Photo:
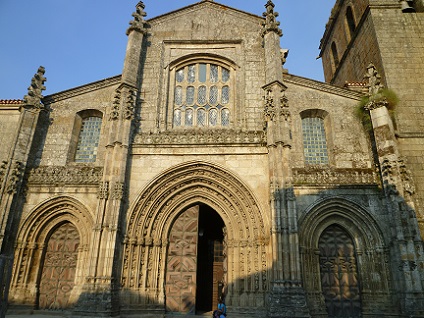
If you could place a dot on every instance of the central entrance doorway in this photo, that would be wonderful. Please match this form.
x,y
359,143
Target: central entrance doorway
x,y
195,261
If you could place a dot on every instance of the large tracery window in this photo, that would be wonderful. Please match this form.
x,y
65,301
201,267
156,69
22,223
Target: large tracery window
x,y
202,96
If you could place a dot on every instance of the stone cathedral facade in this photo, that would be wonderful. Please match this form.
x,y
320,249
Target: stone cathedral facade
x,y
207,170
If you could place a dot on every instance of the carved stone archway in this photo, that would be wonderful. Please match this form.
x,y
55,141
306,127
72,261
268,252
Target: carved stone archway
x,y
370,252
33,236
163,200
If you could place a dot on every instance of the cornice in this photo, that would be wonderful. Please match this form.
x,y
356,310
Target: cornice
x,y
321,86
79,90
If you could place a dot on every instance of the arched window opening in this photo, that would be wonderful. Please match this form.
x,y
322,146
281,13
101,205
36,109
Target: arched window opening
x,y
314,140
335,54
88,126
202,95
350,21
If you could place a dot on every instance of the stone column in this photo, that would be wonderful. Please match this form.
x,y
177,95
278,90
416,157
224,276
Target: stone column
x,y
287,297
406,245
100,292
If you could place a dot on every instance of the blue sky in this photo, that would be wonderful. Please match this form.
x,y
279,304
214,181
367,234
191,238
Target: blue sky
x,y
82,41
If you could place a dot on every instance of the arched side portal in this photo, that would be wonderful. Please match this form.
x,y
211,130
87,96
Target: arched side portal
x,y
161,203
56,221
339,224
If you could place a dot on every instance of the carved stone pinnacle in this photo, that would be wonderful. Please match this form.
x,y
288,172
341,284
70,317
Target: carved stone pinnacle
x,y
34,96
138,23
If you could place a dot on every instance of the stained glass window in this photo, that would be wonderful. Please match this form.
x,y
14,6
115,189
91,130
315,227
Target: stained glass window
x,y
207,85
314,141
88,140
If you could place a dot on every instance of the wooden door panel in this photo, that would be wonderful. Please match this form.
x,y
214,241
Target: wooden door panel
x,y
59,267
182,263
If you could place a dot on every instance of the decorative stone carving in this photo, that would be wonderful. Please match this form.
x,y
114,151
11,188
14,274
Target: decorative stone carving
x,y
114,114
15,177
55,175
118,191
269,110
130,105
271,24
138,23
406,177
201,137
103,190
3,167
34,96
284,107
318,175
374,80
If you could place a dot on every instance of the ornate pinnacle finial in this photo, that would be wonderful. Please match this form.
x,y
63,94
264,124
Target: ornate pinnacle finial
x,y
374,80
34,91
138,23
271,24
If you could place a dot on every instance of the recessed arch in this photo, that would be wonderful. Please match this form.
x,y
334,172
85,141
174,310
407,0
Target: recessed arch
x,y
163,200
197,182
368,242
34,234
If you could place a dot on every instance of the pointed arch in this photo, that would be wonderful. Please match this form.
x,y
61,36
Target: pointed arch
x,y
32,238
50,213
163,200
196,182
369,245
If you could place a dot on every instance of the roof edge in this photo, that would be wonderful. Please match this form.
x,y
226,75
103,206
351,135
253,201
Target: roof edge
x,y
322,86
83,89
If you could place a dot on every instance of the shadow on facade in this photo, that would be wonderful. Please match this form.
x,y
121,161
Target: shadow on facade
x,y
349,250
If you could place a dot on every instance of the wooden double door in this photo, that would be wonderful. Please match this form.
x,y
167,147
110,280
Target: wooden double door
x,y
195,261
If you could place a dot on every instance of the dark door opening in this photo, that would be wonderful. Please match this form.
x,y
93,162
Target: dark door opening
x,y
210,259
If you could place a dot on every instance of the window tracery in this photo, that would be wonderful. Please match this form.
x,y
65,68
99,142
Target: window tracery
x,y
202,95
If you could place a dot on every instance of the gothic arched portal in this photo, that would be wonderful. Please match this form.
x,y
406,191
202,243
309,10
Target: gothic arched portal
x,y
337,274
52,254
152,220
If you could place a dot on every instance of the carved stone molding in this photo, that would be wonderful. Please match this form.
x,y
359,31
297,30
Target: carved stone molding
x,y
201,137
334,176
65,175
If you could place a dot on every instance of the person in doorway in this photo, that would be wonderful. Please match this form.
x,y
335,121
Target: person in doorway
x,y
222,309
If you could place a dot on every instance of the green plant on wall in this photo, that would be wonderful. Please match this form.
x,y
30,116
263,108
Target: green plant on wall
x,y
386,97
